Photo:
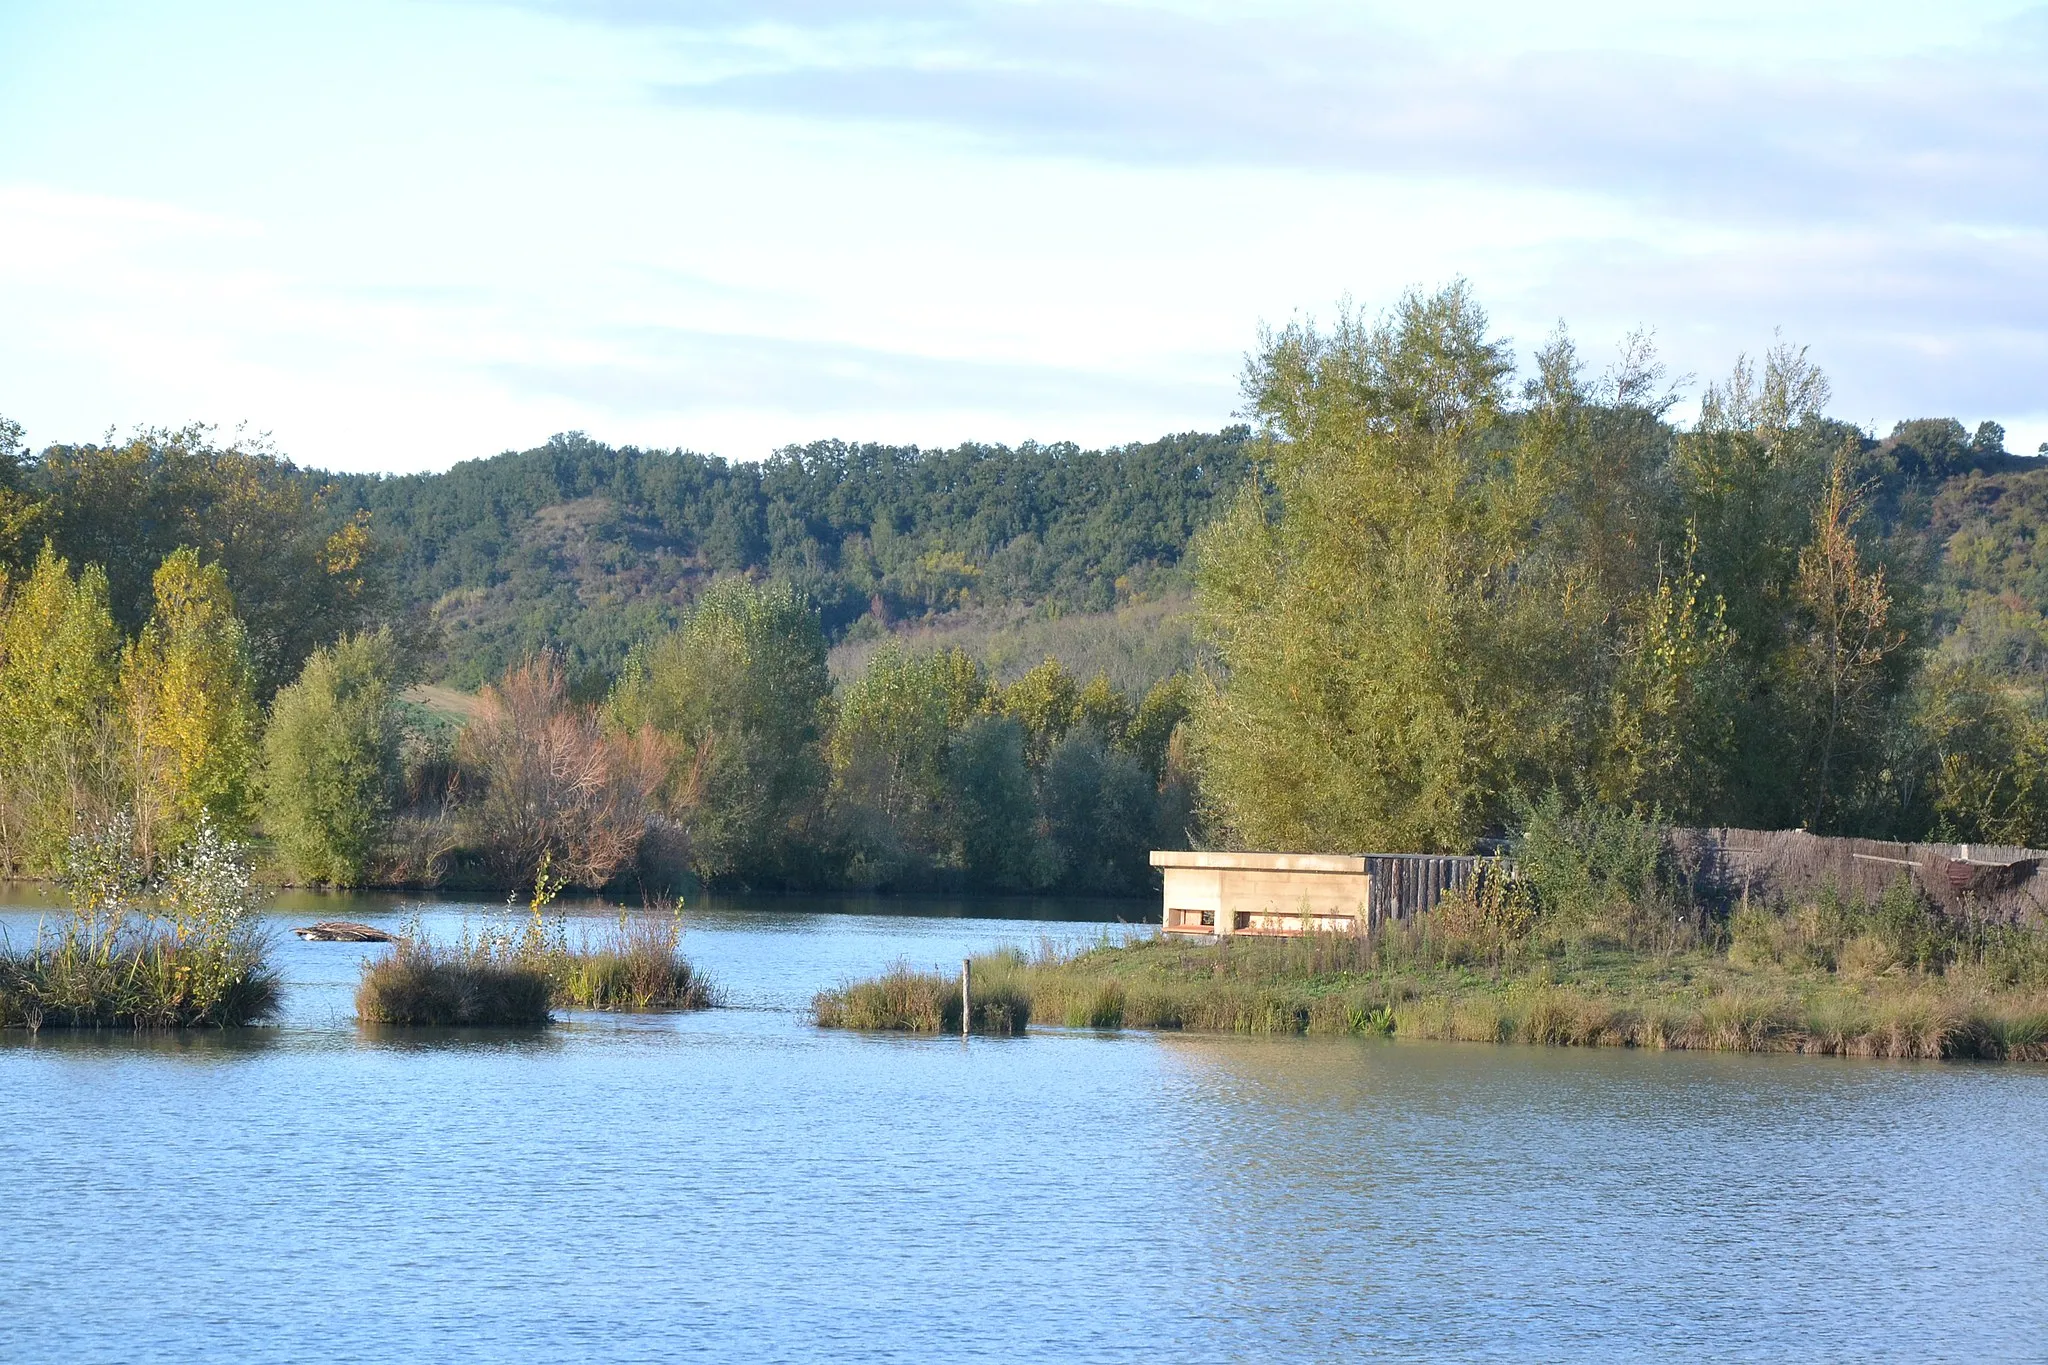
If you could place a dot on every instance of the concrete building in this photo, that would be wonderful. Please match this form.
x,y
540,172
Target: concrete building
x,y
1300,893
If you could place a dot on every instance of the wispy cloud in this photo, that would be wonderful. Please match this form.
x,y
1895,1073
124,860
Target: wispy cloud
x,y
658,371
1939,135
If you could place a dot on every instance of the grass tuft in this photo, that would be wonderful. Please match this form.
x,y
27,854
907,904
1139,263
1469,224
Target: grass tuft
x,y
905,1000
144,979
421,985
636,965
490,978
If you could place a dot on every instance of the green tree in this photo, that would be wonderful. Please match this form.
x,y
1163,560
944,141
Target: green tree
x,y
1669,733
889,748
1101,812
1161,713
331,758
21,513
59,664
1750,478
991,808
1846,663
1396,614
189,712
301,574
1043,701
742,692
1103,709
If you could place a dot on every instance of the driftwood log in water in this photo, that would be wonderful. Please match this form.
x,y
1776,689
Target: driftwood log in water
x,y
343,931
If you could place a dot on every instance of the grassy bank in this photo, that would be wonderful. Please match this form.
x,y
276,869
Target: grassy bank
x,y
517,980
1826,978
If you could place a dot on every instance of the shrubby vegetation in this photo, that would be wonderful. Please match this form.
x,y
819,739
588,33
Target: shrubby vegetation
x,y
1598,941
178,949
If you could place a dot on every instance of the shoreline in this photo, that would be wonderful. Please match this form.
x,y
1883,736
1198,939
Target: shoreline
x,y
1690,1001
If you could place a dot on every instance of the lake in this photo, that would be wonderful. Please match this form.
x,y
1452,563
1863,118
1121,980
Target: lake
x,y
739,1184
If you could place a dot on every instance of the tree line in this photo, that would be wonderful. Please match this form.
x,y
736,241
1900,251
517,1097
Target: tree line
x,y
722,754
1431,596
1447,594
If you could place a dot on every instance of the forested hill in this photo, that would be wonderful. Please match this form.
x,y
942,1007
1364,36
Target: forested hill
x,y
587,547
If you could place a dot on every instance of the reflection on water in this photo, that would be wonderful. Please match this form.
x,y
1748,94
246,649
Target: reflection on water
x,y
736,1183
198,1044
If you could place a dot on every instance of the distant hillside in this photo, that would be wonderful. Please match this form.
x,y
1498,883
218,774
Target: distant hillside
x,y
1010,553
1134,645
589,548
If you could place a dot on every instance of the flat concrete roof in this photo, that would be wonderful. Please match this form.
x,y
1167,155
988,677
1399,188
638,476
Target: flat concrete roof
x,y
1261,862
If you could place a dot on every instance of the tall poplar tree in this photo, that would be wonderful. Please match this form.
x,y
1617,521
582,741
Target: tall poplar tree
x,y
59,661
189,712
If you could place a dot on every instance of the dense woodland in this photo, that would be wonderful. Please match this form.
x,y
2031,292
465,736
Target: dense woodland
x,y
1428,596
586,550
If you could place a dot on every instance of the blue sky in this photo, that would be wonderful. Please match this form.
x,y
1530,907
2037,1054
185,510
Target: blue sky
x,y
396,235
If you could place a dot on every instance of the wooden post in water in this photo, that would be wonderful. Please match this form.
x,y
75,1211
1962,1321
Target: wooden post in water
x,y
966,997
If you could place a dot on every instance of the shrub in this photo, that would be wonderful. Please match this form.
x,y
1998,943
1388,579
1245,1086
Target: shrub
x,y
421,984
1595,871
179,952
1487,915
552,786
1911,929
331,760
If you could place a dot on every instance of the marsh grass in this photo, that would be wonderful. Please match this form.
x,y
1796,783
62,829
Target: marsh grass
x,y
495,977
1829,979
177,950
905,1000
142,979
636,964
422,984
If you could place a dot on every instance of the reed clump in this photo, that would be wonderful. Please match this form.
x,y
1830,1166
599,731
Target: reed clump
x,y
636,964
180,949
422,984
498,978
905,1000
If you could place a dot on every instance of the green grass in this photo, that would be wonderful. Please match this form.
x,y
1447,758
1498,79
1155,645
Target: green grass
x,y
637,964
904,1000
139,979
1706,994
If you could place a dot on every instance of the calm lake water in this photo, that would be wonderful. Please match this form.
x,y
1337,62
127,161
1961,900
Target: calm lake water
x,y
739,1184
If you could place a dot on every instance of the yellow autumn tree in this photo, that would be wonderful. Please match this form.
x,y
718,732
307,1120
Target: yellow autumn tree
x,y
59,653
188,709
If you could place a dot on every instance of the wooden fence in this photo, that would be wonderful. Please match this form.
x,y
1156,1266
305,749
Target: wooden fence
x,y
1405,884
1990,881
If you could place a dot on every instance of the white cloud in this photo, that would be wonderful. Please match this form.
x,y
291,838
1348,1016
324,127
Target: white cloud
x,y
402,235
